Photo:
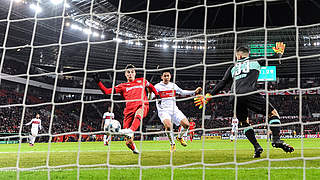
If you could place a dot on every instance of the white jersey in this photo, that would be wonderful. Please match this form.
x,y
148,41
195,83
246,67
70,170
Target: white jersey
x,y
168,94
108,116
36,123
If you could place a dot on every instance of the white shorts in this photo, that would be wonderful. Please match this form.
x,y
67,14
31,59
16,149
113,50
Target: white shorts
x,y
107,122
174,115
34,131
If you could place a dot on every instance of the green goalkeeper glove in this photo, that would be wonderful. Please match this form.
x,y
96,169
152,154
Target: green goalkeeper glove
x,y
201,100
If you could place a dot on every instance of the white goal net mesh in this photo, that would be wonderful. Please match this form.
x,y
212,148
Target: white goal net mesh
x,y
50,50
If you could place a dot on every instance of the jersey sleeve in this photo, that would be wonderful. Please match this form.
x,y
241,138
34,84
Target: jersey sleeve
x,y
255,65
183,92
151,88
227,78
117,89
29,123
40,127
157,89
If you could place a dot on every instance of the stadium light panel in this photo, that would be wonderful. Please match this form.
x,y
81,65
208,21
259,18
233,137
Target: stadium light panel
x,y
56,2
67,5
36,8
117,39
165,46
17,1
102,36
95,34
74,26
87,31
138,44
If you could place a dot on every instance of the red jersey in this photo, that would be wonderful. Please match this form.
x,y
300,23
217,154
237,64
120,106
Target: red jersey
x,y
192,125
133,92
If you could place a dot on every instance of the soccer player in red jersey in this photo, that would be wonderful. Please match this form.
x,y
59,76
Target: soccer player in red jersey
x,y
191,127
137,105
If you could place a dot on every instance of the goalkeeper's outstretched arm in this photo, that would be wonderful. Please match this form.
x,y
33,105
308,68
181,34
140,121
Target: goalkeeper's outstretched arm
x,y
227,78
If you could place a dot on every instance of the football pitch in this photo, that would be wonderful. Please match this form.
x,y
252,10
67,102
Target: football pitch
x,y
155,159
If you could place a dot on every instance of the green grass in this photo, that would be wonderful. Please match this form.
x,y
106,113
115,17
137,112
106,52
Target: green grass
x,y
156,153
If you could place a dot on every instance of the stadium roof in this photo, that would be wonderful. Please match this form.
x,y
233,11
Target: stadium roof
x,y
160,51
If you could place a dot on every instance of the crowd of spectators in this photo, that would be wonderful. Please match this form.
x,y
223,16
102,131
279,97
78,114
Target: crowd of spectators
x,y
67,115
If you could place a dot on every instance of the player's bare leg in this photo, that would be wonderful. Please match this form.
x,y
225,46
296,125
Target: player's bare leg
x,y
169,132
274,118
185,126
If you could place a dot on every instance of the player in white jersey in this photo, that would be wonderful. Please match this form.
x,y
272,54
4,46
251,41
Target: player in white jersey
x,y
168,111
234,129
36,125
107,117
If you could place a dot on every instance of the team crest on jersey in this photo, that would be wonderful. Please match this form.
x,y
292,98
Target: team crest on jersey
x,y
139,81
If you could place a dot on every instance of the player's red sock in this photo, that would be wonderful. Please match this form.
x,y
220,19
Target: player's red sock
x,y
136,123
131,146
191,138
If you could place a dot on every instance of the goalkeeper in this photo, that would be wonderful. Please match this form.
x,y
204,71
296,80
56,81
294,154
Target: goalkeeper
x,y
244,75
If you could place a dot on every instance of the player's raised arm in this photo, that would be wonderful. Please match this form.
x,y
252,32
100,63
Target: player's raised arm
x,y
227,78
28,123
40,126
104,90
188,92
102,123
153,89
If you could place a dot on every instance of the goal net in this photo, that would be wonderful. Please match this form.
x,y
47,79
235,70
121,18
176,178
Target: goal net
x,y
51,49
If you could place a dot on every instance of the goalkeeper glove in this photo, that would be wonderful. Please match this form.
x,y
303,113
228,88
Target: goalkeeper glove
x,y
279,49
201,100
96,77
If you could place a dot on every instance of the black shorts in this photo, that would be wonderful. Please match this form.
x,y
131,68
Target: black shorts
x,y
254,102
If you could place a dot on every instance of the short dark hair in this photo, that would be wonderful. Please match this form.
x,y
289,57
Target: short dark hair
x,y
243,49
165,71
130,66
